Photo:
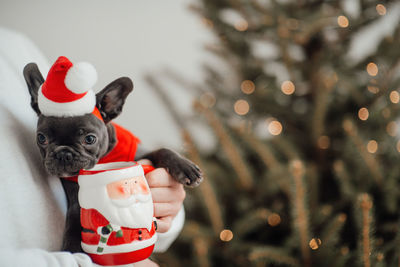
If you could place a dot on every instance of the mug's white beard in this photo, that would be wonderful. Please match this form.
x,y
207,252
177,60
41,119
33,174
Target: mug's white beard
x,y
139,198
134,212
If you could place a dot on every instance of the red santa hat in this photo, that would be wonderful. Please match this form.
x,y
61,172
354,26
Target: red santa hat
x,y
67,90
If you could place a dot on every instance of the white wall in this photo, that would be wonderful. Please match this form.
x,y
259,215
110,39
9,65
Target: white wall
x,y
120,38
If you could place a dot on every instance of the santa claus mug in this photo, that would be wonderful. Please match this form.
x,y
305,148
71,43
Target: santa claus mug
x,y
117,216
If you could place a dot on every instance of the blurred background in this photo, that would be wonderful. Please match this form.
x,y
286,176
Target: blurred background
x,y
122,38
291,109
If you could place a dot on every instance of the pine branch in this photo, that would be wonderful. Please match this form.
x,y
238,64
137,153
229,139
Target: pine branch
x,y
270,254
193,229
260,147
370,161
344,180
330,235
300,210
201,251
251,221
365,205
230,150
285,146
321,94
312,182
266,155
209,197
177,118
206,189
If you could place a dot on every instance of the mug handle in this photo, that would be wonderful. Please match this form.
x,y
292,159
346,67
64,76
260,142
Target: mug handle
x,y
147,168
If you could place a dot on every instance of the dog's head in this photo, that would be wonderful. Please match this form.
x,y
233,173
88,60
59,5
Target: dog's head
x,y
71,143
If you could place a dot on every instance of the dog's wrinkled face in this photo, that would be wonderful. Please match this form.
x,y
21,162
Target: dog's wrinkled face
x,y
70,144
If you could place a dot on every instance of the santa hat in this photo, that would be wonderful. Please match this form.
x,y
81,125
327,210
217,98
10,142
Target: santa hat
x,y
103,174
67,90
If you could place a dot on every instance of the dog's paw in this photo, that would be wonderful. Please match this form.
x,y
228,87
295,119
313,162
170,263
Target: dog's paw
x,y
186,172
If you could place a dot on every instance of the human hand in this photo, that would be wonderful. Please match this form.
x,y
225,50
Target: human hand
x,y
168,196
145,263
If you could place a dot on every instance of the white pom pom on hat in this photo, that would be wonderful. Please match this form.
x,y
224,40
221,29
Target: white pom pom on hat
x,y
67,90
81,77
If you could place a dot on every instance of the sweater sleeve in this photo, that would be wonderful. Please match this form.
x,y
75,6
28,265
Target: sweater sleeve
x,y
43,258
32,204
164,240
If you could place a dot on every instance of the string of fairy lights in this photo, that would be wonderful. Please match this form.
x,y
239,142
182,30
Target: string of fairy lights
x,y
242,107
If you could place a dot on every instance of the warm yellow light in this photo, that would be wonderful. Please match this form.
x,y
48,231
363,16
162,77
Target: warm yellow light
x,y
391,128
315,243
381,9
342,217
241,107
324,142
344,250
241,25
274,219
288,87
363,114
380,256
373,89
208,100
343,22
394,97
275,127
208,23
347,125
226,235
372,69
247,87
372,146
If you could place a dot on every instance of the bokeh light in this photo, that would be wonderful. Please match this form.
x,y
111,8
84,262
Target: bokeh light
x,y
363,114
381,9
274,219
275,127
208,100
324,142
247,87
288,87
343,21
344,250
372,69
394,97
391,128
241,25
241,107
373,89
315,243
372,146
226,235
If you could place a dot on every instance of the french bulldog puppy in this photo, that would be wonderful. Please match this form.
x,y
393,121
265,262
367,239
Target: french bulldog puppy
x,y
69,144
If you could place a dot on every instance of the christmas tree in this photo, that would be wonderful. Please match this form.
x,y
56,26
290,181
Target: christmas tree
x,y
305,110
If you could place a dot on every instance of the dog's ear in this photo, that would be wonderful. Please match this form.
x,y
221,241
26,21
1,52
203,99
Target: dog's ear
x,y
111,99
34,80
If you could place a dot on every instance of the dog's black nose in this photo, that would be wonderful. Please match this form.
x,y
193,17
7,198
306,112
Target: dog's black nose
x,y
64,155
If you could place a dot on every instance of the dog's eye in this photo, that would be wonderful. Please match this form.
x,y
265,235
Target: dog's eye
x,y
90,139
41,139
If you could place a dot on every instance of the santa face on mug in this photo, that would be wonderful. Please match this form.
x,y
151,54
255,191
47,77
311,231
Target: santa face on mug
x,y
126,202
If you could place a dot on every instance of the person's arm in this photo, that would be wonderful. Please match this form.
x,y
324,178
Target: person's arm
x,y
39,257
